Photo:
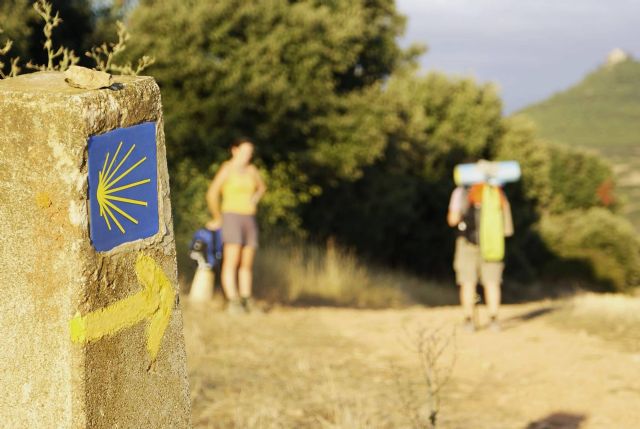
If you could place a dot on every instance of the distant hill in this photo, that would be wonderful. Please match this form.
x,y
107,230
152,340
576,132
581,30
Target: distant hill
x,y
602,113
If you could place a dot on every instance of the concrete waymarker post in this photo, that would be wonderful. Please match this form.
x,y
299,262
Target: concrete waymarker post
x,y
90,328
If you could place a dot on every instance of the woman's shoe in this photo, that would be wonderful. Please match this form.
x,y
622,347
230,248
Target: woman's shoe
x,y
235,307
468,325
494,325
248,304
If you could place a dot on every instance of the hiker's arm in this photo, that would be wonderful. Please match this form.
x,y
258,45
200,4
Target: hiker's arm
x,y
453,218
213,193
507,218
456,204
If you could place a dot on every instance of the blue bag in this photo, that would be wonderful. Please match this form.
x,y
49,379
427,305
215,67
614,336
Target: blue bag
x,y
206,248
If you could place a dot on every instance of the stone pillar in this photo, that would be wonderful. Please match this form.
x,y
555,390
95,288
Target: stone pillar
x,y
90,328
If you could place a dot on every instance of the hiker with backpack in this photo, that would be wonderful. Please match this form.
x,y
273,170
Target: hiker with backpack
x,y
481,214
239,185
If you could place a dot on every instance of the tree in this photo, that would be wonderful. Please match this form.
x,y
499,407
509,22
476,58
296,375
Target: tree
x,y
395,213
16,17
354,142
300,77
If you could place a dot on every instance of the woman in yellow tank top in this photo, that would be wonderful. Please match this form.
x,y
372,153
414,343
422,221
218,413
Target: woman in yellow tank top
x,y
239,184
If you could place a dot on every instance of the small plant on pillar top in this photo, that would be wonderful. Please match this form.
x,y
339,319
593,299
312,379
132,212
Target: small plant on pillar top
x,y
104,54
61,58
13,62
57,59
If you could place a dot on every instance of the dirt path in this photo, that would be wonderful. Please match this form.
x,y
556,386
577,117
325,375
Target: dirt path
x,y
333,368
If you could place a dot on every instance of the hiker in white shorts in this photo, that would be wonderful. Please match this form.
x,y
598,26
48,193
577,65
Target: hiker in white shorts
x,y
470,265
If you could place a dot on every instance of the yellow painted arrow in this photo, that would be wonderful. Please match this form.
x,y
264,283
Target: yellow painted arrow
x,y
154,301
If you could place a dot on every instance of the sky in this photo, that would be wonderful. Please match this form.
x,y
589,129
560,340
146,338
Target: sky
x,y
529,48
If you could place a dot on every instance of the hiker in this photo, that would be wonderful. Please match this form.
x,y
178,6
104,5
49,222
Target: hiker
x,y
481,215
239,184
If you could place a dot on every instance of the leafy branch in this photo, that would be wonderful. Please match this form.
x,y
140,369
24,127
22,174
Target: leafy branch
x,y
15,68
66,57
104,55
61,58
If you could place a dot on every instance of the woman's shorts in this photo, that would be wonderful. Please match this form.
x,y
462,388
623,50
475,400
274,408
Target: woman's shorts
x,y
239,229
470,267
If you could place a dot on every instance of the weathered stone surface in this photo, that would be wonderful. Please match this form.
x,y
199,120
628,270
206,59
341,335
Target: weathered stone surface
x,y
84,78
50,272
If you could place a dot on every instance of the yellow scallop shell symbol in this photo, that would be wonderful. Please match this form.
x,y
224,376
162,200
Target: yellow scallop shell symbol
x,y
106,194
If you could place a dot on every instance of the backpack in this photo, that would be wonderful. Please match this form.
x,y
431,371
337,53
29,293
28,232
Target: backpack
x,y
206,248
467,227
483,224
491,224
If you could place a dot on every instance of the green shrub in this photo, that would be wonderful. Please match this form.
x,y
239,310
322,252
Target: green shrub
x,y
579,180
604,241
189,206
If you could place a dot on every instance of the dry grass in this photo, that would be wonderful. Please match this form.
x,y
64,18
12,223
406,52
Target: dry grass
x,y
347,368
290,369
435,349
614,317
287,368
307,274
337,368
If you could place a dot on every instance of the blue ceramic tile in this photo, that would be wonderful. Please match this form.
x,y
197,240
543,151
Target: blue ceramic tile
x,y
123,186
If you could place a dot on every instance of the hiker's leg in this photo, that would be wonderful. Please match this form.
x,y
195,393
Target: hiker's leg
x,y
230,270
491,273
492,297
245,273
468,299
465,264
